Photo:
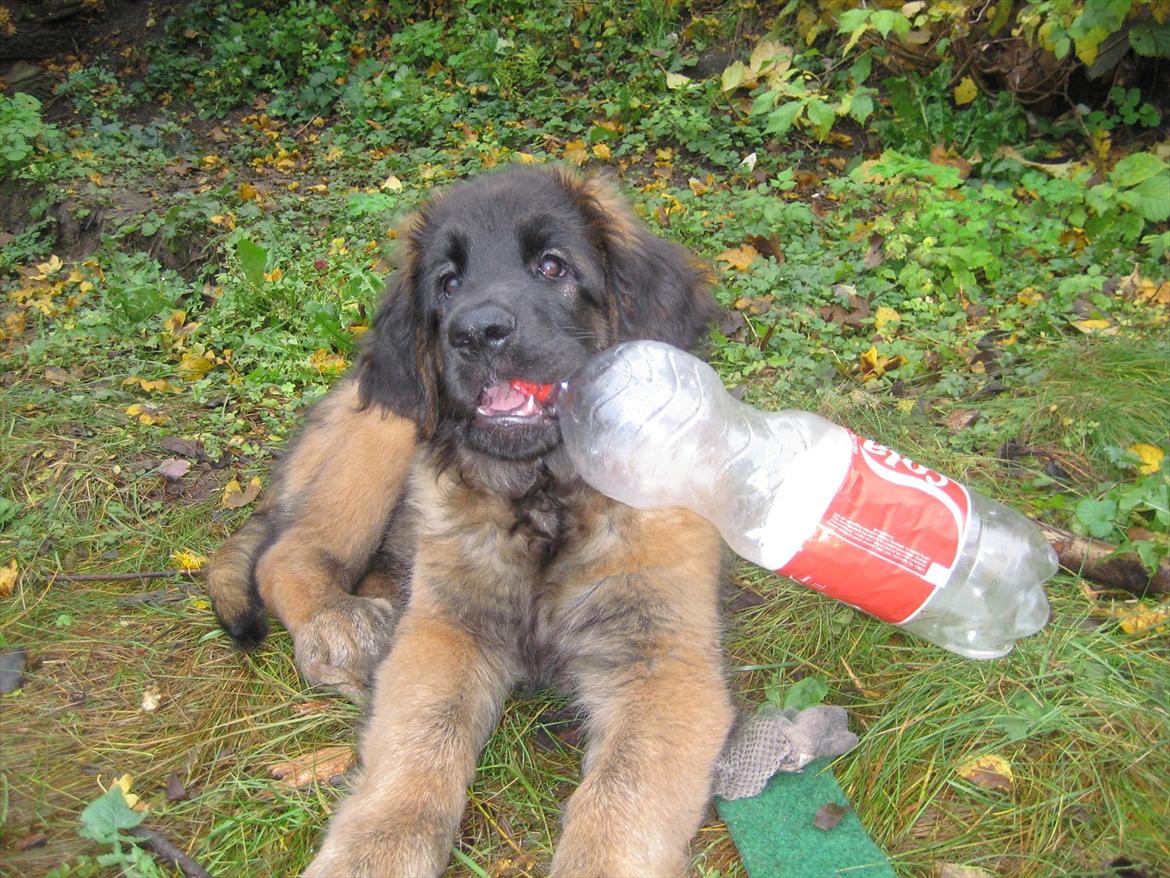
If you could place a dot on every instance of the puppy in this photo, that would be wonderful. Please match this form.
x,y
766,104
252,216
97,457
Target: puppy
x,y
428,536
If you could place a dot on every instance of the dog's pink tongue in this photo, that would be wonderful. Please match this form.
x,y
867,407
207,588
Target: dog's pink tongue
x,y
501,399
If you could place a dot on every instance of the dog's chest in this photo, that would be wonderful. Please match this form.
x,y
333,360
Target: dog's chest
x,y
516,570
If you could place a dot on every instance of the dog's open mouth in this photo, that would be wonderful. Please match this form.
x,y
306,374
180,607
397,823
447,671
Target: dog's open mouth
x,y
517,402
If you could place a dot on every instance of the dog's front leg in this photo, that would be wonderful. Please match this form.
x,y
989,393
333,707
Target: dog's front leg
x,y
655,731
437,697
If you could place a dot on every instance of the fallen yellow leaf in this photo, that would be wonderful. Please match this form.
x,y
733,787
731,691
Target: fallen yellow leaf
x,y
699,187
248,192
391,184
327,362
991,771
194,366
124,783
601,151
188,561
147,414
965,91
875,364
576,152
8,576
1140,618
740,258
1151,457
883,317
1095,326
151,385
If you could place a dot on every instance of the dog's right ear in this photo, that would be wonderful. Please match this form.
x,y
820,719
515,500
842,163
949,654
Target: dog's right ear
x,y
388,369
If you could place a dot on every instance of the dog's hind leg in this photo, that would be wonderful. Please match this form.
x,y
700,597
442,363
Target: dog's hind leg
x,y
303,555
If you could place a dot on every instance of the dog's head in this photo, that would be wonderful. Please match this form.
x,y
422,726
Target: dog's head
x,y
520,275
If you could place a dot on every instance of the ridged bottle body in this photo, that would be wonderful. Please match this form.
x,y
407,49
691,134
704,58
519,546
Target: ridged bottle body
x,y
652,427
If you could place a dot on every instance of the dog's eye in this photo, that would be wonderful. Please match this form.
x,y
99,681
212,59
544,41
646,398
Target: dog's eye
x,y
551,266
451,283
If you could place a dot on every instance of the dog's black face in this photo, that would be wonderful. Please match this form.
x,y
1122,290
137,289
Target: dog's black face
x,y
520,276
512,287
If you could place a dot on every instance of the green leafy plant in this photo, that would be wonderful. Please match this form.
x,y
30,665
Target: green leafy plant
x,y
1090,29
922,115
22,132
1141,506
105,820
791,89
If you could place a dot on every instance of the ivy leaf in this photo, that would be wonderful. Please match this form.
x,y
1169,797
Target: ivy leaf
x,y
104,818
1096,516
805,693
886,20
861,108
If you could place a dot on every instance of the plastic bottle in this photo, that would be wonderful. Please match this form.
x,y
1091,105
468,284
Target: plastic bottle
x,y
652,426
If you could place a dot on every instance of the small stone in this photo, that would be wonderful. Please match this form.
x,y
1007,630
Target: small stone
x,y
12,665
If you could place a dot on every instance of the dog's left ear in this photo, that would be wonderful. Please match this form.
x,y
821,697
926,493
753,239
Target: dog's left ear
x,y
660,289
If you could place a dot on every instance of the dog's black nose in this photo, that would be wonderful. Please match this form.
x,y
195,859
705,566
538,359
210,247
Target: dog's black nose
x,y
481,328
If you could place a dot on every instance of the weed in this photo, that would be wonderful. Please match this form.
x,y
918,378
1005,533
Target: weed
x,y
23,134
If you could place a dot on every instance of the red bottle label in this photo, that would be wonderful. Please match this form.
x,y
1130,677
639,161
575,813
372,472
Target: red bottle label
x,y
890,537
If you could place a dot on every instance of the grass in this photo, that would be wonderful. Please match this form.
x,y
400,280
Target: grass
x,y
1001,306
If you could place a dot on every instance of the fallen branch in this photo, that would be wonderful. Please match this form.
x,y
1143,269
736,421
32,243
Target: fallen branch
x,y
127,577
167,851
1098,561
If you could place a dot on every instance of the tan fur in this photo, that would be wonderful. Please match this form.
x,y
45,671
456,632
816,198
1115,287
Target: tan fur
x,y
346,474
312,536
438,693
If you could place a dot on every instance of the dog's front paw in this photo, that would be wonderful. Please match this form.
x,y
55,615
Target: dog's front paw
x,y
342,644
368,840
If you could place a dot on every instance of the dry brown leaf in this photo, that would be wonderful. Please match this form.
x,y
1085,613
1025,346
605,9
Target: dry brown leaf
x,y
960,419
174,468
235,497
320,765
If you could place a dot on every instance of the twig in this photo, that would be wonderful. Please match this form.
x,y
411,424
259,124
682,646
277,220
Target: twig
x,y
167,851
128,577
1100,562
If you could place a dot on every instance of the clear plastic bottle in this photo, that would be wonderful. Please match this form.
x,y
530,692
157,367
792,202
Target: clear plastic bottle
x,y
652,426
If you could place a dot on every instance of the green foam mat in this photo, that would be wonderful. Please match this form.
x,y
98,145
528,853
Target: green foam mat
x,y
776,838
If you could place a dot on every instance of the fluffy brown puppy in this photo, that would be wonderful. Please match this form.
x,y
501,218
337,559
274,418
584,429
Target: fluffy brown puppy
x,y
429,509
